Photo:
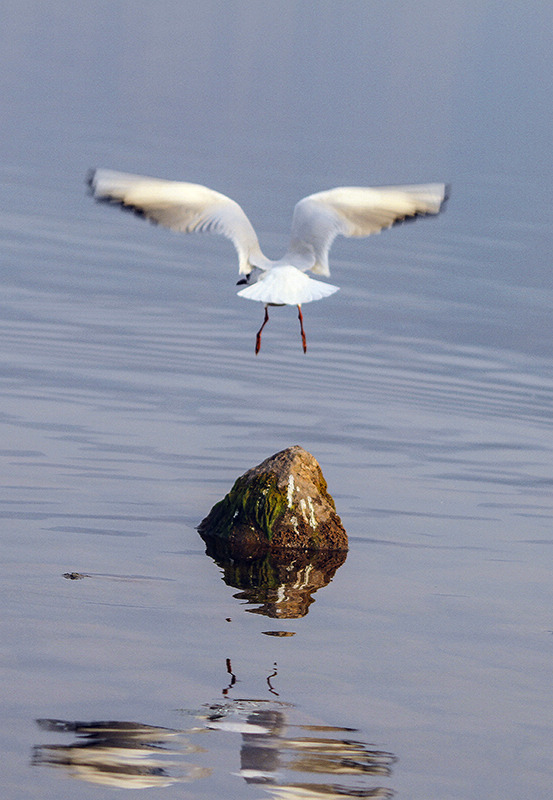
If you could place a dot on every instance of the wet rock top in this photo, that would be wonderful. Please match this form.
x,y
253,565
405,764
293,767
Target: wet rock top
x,y
281,503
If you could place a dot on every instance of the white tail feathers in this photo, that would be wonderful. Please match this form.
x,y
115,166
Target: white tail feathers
x,y
288,286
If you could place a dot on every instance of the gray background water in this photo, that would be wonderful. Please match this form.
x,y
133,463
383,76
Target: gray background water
x,y
130,397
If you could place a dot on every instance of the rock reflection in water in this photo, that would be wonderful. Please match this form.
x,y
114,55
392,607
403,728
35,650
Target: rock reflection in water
x,y
280,754
281,582
120,754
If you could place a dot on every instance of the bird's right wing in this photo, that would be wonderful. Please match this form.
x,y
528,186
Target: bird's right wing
x,y
185,207
356,211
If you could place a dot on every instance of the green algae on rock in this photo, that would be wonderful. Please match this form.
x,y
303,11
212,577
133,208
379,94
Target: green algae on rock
x,y
283,503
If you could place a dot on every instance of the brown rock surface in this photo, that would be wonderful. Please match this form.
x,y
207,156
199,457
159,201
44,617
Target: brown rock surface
x,y
282,503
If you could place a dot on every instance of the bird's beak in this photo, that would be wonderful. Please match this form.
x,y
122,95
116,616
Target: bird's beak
x,y
243,280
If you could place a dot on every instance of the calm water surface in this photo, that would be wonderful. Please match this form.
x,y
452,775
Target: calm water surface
x,y
131,399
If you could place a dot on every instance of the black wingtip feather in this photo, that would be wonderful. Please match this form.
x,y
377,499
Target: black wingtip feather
x,y
413,217
89,179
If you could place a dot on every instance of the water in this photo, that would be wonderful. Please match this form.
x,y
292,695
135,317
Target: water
x,y
131,399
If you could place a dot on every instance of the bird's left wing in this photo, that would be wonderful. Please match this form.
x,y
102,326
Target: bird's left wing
x,y
185,207
356,211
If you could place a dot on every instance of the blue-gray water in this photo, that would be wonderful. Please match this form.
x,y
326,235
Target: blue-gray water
x,y
131,399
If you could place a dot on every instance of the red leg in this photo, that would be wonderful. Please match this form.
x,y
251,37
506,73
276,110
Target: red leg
x,y
258,337
303,341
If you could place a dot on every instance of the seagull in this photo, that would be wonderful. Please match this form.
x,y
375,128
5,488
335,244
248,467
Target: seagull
x,y
317,220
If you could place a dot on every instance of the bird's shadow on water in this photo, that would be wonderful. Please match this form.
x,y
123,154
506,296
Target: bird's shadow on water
x,y
278,749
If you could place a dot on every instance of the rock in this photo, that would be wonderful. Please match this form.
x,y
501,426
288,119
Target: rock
x,y
283,503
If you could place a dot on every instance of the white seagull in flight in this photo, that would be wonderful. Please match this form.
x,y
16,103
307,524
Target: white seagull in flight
x,y
317,220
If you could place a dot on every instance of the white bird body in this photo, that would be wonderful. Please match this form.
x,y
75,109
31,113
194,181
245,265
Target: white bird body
x,y
317,220
286,285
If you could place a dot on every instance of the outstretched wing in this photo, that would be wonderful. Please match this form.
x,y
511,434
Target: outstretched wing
x,y
356,211
185,207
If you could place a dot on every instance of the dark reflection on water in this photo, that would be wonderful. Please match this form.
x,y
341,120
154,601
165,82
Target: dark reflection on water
x,y
120,754
272,749
280,755
281,582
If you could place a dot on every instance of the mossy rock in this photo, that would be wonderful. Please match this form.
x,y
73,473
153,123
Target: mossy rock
x,y
282,503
